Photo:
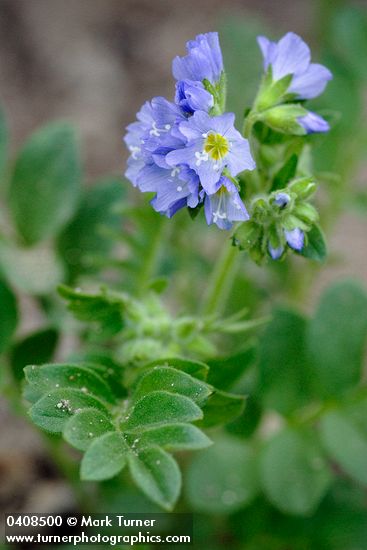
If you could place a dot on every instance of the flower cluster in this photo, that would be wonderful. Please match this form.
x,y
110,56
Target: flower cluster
x,y
186,151
279,222
189,153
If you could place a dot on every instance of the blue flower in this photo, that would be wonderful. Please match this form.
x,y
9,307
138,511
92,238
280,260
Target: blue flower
x,y
134,141
225,206
191,96
314,123
213,144
152,132
175,188
203,61
291,56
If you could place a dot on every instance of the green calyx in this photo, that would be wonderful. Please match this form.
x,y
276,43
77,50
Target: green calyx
x,y
219,93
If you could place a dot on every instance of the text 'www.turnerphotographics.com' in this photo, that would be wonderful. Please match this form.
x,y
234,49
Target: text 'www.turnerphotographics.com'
x,y
110,529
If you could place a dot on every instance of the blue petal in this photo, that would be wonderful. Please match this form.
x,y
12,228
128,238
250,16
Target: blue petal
x,y
282,199
314,123
268,49
311,83
191,96
292,56
275,253
239,157
203,61
171,211
151,178
295,238
225,206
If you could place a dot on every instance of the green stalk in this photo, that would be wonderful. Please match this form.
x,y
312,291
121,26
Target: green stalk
x,y
221,280
152,257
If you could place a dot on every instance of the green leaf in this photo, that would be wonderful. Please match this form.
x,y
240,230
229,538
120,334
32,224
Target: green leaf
x,y
344,435
158,285
161,407
36,348
246,424
84,427
221,408
283,376
8,315
173,381
104,458
336,339
44,189
101,362
294,474
50,377
285,174
156,473
53,410
3,143
105,309
35,270
194,368
174,437
223,478
224,372
315,248
86,237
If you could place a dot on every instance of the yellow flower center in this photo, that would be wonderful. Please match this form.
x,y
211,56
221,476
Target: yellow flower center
x,y
216,146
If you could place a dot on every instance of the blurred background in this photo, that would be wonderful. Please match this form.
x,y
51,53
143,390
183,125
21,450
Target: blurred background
x,y
94,62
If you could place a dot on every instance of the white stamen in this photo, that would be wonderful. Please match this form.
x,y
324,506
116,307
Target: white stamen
x,y
155,131
201,157
179,188
218,215
135,150
176,170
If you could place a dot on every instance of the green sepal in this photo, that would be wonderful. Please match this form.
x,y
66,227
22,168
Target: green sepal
x,y
284,119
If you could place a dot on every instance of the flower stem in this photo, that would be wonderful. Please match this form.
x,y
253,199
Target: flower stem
x,y
152,257
221,280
